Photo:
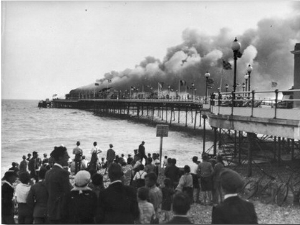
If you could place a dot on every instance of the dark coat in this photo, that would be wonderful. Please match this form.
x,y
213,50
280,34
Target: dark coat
x,y
117,204
81,207
142,150
58,186
37,199
179,220
234,210
173,172
6,198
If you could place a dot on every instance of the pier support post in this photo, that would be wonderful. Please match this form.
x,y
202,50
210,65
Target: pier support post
x,y
186,112
147,110
195,120
240,145
178,115
275,147
162,113
138,111
251,141
215,141
220,137
293,149
204,133
200,119
166,114
279,151
235,145
128,106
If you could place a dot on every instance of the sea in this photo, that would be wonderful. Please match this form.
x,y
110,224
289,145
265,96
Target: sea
x,y
26,128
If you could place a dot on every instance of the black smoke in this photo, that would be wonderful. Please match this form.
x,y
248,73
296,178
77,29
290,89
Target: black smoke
x,y
267,48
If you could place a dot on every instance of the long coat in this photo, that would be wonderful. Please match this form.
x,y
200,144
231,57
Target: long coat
x,y
58,186
117,204
234,210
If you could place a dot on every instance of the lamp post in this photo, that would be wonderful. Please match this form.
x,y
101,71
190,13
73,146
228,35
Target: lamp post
x,y
207,75
249,70
243,85
193,87
226,87
235,48
246,80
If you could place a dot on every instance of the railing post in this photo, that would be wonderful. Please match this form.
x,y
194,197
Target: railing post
x,y
275,106
252,102
232,102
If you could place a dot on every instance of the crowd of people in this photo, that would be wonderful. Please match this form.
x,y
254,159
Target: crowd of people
x,y
59,189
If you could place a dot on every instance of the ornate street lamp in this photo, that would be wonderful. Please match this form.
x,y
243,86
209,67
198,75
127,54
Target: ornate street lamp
x,y
226,87
243,85
193,87
246,80
207,75
249,70
235,48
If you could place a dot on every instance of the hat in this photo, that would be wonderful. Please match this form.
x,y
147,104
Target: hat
x,y
195,159
9,174
82,178
111,146
231,181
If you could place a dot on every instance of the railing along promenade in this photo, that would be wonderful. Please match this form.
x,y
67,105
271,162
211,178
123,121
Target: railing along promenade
x,y
251,104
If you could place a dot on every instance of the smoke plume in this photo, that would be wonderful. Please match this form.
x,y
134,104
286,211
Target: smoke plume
x,y
267,48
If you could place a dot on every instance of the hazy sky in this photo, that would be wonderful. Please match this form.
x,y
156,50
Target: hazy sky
x,y
52,47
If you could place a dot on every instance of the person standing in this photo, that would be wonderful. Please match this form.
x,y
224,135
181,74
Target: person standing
x,y
81,201
7,193
173,173
23,165
142,152
146,208
58,185
77,151
94,164
45,161
37,199
185,184
217,192
21,193
205,171
110,156
117,203
181,206
155,194
196,186
33,166
233,210
167,193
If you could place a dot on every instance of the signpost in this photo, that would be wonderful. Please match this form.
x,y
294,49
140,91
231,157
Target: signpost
x,y
161,131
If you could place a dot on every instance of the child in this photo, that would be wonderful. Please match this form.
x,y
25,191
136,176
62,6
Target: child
x,y
146,208
167,192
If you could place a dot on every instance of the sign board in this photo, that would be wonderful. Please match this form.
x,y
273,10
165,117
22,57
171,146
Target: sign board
x,y
162,130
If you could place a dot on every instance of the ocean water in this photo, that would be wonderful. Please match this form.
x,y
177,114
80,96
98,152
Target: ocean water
x,y
26,128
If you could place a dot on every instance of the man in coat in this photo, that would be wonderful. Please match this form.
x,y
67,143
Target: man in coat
x,y
58,186
233,210
117,203
142,152
110,156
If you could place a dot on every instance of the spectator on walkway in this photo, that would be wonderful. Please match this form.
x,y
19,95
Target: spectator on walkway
x,y
33,166
28,157
129,159
167,197
45,161
196,185
217,192
81,201
37,199
142,152
233,210
139,177
173,173
149,168
15,167
155,194
181,206
185,184
117,203
95,149
22,189
7,193
58,186
110,156
77,151
23,165
205,171
146,208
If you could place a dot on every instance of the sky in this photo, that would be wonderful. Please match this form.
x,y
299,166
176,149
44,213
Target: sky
x,y
53,47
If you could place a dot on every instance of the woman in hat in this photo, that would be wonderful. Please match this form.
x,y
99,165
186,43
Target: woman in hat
x,y
82,201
